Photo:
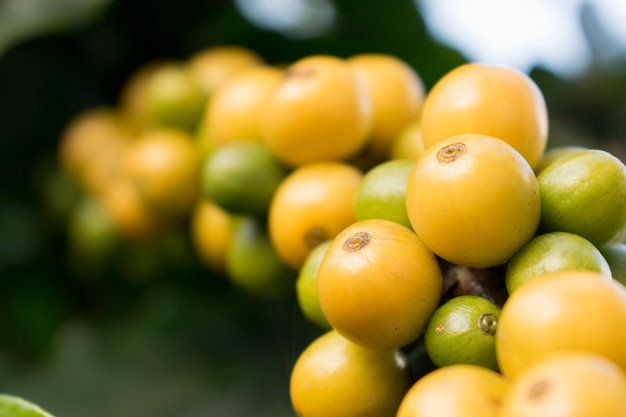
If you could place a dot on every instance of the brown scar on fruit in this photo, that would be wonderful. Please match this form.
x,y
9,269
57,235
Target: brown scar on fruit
x,y
488,283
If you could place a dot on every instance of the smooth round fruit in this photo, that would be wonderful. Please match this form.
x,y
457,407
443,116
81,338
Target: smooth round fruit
x,y
378,284
174,98
382,194
164,165
554,251
253,265
462,330
585,193
213,66
319,112
242,177
306,286
131,217
237,108
615,255
553,154
333,377
312,204
211,232
90,232
567,384
409,143
455,391
473,200
397,94
13,406
562,310
91,145
133,97
492,100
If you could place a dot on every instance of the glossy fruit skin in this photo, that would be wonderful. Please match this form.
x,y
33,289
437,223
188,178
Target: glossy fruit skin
x,y
554,251
567,384
408,144
313,203
382,194
615,255
214,65
462,330
91,145
455,391
92,239
562,310
397,93
551,155
253,265
164,166
333,377
133,97
236,110
473,200
585,193
319,112
211,230
306,286
242,177
131,216
488,99
174,97
378,284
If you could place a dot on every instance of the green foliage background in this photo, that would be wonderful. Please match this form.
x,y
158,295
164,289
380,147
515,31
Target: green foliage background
x,y
180,342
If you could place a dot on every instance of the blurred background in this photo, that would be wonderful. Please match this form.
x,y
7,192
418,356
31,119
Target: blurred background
x,y
160,336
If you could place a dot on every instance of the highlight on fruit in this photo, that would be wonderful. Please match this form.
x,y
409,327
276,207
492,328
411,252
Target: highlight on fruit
x,y
448,256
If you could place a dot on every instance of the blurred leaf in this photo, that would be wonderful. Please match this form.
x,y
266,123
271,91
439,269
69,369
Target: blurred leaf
x,y
24,19
13,406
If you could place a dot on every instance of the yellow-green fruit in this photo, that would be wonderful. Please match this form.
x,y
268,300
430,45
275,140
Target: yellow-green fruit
x,y
213,66
409,143
462,331
455,391
551,252
473,200
492,100
615,255
334,377
382,194
553,154
253,265
567,383
585,193
397,93
306,286
236,111
318,112
174,98
164,164
378,284
242,177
